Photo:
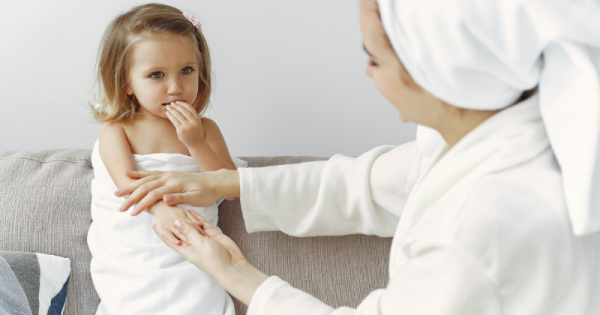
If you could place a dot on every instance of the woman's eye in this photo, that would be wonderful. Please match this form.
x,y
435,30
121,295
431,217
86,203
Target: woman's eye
x,y
372,63
186,70
157,75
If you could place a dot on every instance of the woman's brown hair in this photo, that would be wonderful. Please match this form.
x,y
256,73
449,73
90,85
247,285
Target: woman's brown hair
x,y
143,22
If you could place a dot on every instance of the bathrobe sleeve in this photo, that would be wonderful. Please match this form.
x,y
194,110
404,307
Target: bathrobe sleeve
x,y
439,280
366,193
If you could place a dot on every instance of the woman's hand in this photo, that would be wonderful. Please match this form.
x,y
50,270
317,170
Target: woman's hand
x,y
174,188
187,123
215,253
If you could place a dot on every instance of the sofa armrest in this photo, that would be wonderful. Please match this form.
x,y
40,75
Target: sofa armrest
x,y
45,207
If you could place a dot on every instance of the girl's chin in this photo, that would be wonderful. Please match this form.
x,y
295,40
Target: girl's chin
x,y
162,115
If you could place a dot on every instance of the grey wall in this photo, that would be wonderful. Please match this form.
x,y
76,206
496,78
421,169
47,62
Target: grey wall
x,y
289,75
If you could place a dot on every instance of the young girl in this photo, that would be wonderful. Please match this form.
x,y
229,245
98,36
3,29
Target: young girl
x,y
154,75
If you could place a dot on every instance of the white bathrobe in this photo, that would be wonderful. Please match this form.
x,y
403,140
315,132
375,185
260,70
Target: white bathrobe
x,y
482,229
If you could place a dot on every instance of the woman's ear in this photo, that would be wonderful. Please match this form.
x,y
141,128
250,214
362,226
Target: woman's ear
x,y
128,90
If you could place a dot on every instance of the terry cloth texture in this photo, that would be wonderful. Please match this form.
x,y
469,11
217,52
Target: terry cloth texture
x,y
133,270
482,54
484,230
33,283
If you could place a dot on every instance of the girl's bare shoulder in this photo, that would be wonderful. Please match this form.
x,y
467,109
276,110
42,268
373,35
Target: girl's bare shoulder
x,y
111,128
208,125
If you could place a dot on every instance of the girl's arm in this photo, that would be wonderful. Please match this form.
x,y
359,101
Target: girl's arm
x,y
116,156
212,154
201,136
116,153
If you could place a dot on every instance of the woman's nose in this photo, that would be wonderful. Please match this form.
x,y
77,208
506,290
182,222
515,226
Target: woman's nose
x,y
369,70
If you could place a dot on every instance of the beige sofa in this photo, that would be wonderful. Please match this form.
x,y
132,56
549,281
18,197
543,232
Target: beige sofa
x,y
45,207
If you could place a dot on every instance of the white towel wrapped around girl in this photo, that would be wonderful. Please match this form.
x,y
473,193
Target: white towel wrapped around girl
x,y
133,270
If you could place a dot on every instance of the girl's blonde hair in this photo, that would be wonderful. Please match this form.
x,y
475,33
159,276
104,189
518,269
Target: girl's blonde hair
x,y
114,56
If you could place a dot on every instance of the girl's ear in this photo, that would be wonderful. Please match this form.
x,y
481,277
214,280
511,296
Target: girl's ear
x,y
129,90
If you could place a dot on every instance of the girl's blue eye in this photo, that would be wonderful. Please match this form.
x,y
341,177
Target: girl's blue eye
x,y
157,75
186,70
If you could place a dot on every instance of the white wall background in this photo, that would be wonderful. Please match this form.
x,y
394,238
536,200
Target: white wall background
x,y
289,75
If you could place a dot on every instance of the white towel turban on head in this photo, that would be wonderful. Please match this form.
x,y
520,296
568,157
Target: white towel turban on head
x,y
482,54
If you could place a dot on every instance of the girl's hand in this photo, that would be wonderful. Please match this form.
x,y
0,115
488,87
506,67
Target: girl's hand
x,y
187,122
174,188
165,217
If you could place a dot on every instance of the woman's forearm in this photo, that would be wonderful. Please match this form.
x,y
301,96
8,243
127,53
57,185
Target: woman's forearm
x,y
242,281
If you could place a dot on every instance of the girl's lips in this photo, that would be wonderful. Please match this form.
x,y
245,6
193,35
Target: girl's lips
x,y
165,104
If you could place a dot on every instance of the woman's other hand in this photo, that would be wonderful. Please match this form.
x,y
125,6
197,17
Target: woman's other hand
x,y
213,252
174,188
216,254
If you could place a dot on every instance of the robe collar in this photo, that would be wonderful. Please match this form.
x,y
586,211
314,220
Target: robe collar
x,y
507,139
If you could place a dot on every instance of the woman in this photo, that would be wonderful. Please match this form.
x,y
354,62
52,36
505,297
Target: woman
x,y
485,228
